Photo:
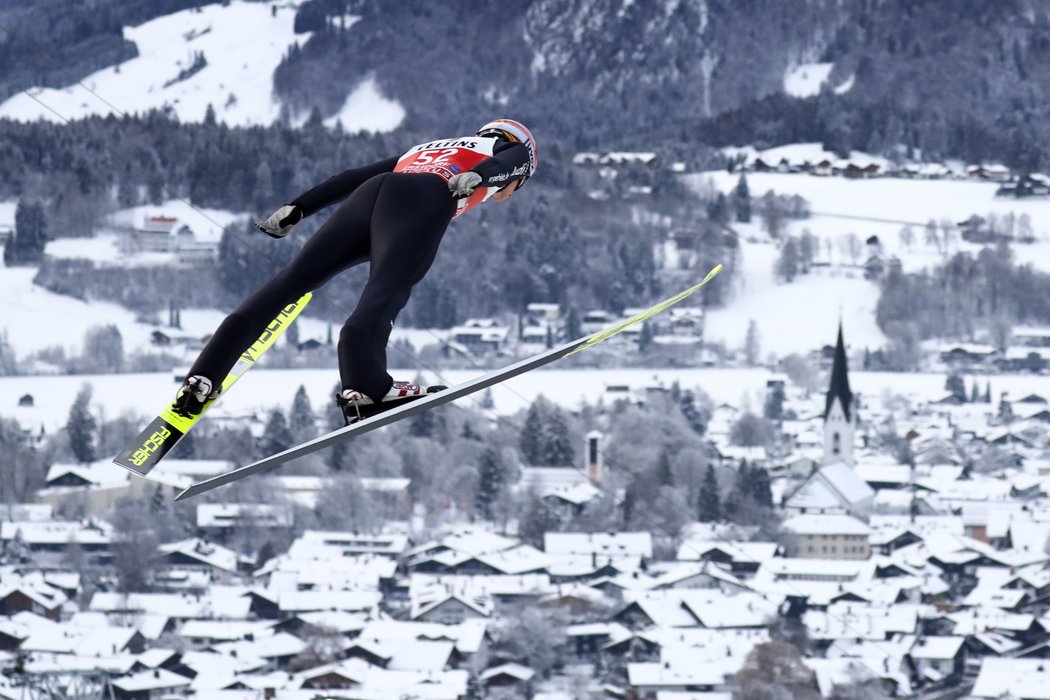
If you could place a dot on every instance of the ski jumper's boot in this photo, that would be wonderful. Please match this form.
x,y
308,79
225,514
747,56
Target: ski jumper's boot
x,y
356,406
194,394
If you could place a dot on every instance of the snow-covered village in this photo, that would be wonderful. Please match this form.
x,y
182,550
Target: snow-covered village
x,y
745,394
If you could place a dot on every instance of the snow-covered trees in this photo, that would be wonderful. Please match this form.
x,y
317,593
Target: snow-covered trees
x,y
26,245
103,349
277,436
302,422
774,671
81,427
710,506
546,439
742,200
492,481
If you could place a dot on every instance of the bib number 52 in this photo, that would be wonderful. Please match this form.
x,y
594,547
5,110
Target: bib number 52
x,y
428,157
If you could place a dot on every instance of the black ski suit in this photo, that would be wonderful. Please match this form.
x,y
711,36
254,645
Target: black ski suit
x,y
393,220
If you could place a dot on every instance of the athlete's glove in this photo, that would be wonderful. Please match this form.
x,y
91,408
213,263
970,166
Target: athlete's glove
x,y
463,185
281,221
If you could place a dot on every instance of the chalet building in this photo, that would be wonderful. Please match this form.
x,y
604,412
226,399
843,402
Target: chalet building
x,y
829,537
482,335
160,233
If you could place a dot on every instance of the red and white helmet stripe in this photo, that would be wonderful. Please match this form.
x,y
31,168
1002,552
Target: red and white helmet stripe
x,y
517,132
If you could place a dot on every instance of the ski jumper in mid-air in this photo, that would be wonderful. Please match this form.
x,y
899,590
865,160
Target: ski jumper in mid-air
x,y
394,216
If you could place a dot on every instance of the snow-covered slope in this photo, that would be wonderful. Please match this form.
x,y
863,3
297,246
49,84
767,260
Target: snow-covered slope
x,y
797,317
806,80
800,316
242,43
884,206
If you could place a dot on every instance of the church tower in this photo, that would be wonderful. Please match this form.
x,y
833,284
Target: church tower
x,y
840,420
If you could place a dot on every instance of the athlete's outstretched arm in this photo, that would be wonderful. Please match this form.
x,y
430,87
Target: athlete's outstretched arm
x,y
510,162
340,186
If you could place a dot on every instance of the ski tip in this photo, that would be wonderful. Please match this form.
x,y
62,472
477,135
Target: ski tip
x,y
714,271
184,494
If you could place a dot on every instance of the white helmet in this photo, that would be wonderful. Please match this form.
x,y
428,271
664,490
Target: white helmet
x,y
510,130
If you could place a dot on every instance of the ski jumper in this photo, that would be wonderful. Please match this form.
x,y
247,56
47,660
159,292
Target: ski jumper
x,y
394,216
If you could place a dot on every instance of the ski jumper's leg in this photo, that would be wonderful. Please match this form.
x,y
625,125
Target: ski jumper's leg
x,y
342,241
409,219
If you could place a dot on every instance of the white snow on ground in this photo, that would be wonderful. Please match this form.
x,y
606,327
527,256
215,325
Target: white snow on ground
x,y
890,202
7,214
35,318
796,317
263,389
41,319
366,109
805,80
243,43
102,249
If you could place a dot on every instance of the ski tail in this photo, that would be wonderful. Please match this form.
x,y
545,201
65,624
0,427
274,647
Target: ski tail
x,y
164,432
442,397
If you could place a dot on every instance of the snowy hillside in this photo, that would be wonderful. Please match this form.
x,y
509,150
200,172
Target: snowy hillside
x,y
241,43
796,317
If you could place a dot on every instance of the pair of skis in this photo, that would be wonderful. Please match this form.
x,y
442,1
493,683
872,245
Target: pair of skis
x,y
150,448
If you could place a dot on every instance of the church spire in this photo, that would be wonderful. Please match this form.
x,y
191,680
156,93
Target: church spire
x,y
839,387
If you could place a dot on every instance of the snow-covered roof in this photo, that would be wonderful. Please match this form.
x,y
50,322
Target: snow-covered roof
x,y
226,515
58,532
1018,678
223,630
830,524
229,602
265,647
206,553
936,648
312,543
516,671
308,601
154,680
613,544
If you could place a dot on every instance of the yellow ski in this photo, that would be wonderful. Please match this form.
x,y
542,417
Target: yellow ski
x,y
164,432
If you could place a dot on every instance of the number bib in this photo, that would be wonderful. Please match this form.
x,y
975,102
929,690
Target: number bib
x,y
449,157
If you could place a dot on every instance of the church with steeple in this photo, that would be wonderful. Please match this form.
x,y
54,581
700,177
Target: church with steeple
x,y
840,417
835,487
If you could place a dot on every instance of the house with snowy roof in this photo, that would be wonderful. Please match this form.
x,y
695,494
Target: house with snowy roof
x,y
197,554
828,536
449,607
1012,678
38,598
469,640
835,489
741,558
597,548
147,685
55,536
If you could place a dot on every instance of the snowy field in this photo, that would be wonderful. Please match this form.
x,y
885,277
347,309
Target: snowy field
x,y
883,206
806,80
797,317
242,42
800,316
41,319
263,389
